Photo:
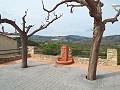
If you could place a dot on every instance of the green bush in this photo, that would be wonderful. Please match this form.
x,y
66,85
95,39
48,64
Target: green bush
x,y
103,55
50,48
32,43
82,50
76,51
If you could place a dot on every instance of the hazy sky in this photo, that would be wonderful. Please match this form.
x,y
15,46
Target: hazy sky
x,y
77,23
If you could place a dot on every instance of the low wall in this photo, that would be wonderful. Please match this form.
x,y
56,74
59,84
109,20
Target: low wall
x,y
12,58
8,59
9,52
41,56
77,59
86,61
111,59
10,55
32,50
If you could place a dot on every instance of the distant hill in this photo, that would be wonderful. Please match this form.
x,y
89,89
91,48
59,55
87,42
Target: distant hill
x,y
69,38
76,38
113,39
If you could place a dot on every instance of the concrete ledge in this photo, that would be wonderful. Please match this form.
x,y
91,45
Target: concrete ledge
x,y
12,58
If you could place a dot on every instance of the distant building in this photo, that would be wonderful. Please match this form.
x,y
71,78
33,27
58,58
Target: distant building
x,y
55,39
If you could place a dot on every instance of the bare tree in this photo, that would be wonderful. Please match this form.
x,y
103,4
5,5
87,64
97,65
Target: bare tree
x,y
24,32
95,11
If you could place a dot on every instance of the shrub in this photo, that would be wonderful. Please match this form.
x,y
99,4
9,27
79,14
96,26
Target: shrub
x,y
50,48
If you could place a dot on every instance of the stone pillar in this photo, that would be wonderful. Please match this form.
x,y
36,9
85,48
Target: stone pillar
x,y
31,50
112,57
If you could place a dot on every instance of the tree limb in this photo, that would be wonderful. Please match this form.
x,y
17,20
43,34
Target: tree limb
x,y
82,2
28,28
3,29
44,26
23,18
62,2
72,6
11,23
112,20
115,7
0,16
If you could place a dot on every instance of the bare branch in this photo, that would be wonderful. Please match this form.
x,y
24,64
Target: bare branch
x,y
82,2
48,17
55,14
23,18
45,26
28,28
62,2
15,31
72,6
11,23
3,29
81,5
115,7
43,23
112,20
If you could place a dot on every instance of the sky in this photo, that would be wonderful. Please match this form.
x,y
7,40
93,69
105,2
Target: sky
x,y
77,23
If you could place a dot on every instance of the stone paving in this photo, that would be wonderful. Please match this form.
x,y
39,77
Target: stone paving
x,y
41,76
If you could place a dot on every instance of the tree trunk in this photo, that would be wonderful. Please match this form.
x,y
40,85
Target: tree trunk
x,y
97,36
24,49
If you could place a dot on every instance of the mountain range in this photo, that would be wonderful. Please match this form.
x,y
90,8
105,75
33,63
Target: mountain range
x,y
113,39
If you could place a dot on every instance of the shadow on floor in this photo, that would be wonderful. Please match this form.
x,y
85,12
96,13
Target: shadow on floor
x,y
36,65
107,75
